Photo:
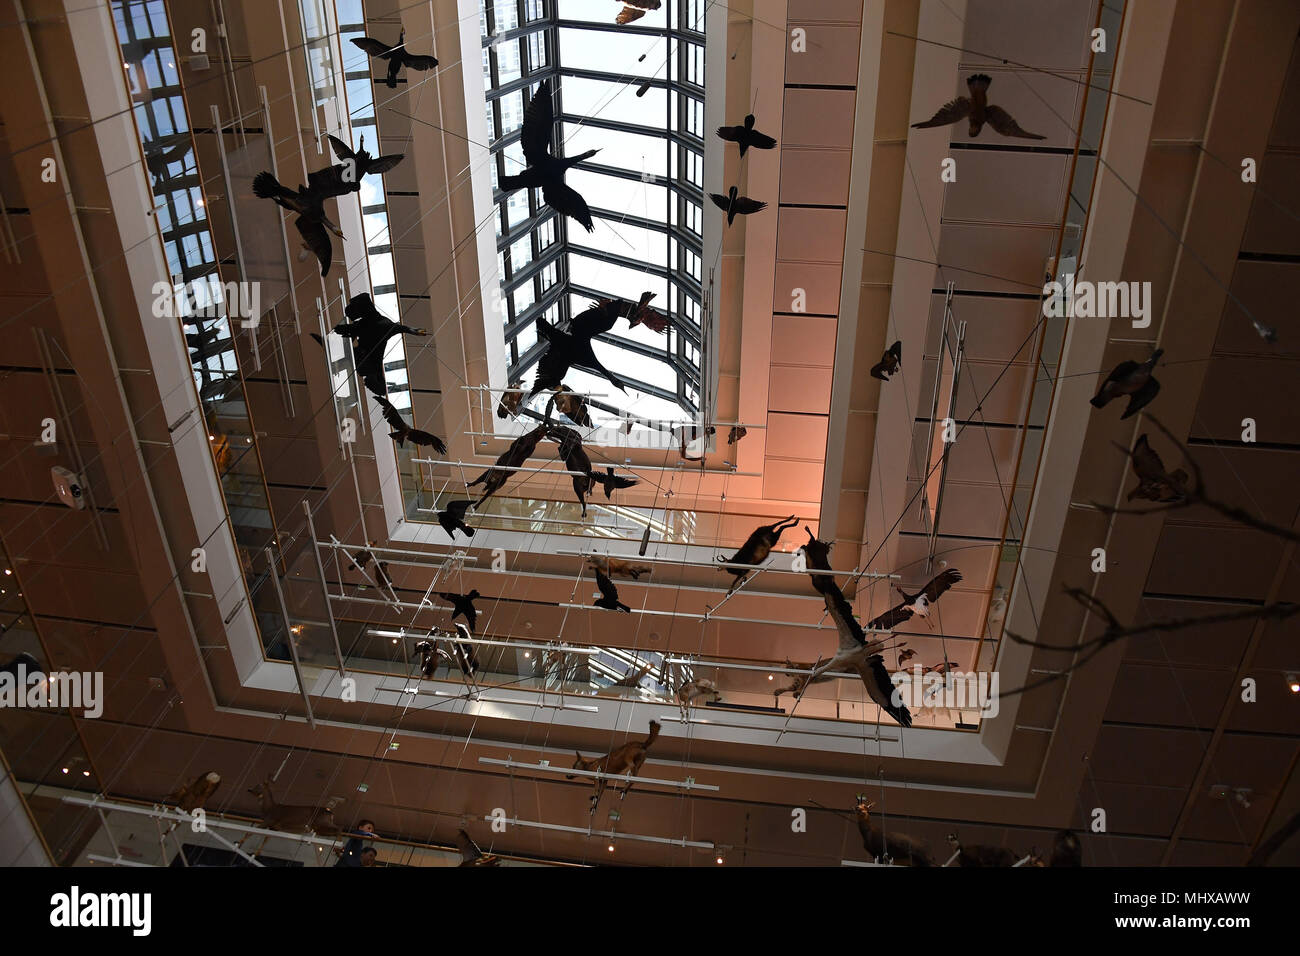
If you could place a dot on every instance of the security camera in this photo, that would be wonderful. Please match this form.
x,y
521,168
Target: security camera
x,y
71,488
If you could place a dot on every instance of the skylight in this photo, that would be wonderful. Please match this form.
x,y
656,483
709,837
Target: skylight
x,y
636,93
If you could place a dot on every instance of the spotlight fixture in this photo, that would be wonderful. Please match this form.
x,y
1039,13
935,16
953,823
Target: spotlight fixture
x,y
771,677
8,572
611,846
1292,680
65,769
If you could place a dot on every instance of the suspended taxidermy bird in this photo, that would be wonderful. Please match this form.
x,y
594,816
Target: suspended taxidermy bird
x,y
345,177
463,606
1154,483
428,652
511,399
403,432
452,518
1133,379
889,362
746,136
520,450
370,331
976,108
572,346
311,223
608,594
917,604
891,847
635,10
756,548
856,653
736,433
471,855
545,170
466,659
575,458
397,56
192,796
734,205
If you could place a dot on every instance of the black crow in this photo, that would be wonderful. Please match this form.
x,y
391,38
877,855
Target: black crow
x,y
311,223
397,56
734,205
545,170
746,136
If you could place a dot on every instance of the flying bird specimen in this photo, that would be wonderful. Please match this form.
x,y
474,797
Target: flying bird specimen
x,y
466,659
616,567
428,652
817,553
893,847
565,349
917,604
370,330
345,177
511,399
736,434
943,667
397,56
463,605
746,136
734,205
905,656
624,760
756,548
1133,379
362,558
976,108
311,223
191,797
635,10
452,518
1154,483
889,362
545,170
576,459
471,855
513,457
403,432
608,595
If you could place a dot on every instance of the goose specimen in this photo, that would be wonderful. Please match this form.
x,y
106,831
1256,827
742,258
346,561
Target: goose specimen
x,y
917,604
746,136
452,518
734,205
345,177
608,594
1154,483
471,855
572,347
403,432
576,459
311,223
463,606
370,331
1133,379
635,10
889,362
976,108
397,56
756,548
520,450
545,170
897,848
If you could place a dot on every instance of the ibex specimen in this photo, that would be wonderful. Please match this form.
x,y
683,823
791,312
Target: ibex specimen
x,y
626,759
294,818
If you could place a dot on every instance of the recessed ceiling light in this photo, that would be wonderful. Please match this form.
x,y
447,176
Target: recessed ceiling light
x,y
1293,682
